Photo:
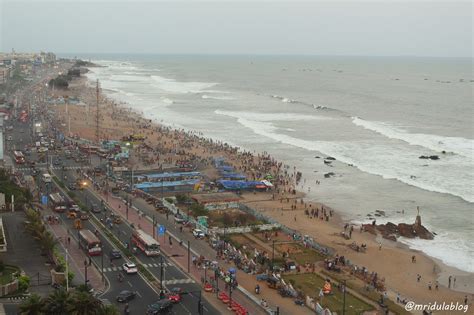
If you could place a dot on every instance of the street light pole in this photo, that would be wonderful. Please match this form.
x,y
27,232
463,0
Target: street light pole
x,y
189,255
85,273
102,266
161,277
344,299
273,253
67,272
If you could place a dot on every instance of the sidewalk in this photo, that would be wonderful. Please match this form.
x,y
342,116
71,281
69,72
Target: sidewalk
x,y
76,256
179,254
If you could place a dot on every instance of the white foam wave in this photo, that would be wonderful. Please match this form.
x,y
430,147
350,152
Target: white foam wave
x,y
446,247
128,78
437,143
391,161
167,101
173,86
215,97
264,117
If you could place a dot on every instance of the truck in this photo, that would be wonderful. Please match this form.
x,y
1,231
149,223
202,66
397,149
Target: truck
x,y
46,178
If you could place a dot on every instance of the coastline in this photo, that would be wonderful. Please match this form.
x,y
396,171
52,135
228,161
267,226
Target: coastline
x,y
326,233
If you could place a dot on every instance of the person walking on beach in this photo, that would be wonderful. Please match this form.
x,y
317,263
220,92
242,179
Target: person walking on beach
x,y
418,277
429,285
449,282
437,285
454,282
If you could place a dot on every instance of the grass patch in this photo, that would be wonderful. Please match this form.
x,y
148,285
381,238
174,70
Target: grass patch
x,y
355,284
8,273
311,283
300,254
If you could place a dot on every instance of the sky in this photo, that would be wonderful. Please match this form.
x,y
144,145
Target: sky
x,y
366,28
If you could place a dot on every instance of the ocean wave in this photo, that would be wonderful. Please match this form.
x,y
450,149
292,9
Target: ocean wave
x,y
265,117
292,101
461,146
450,249
128,78
390,161
215,97
177,87
167,101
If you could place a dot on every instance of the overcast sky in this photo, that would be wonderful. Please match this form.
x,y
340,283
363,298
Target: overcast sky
x,y
376,28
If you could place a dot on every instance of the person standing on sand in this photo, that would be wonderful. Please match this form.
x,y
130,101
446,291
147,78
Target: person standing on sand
x,y
380,245
454,282
449,282
429,285
418,277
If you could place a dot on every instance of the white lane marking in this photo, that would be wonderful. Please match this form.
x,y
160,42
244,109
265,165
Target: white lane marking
x,y
129,284
138,293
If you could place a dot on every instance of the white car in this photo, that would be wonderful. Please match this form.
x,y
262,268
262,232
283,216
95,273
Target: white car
x,y
130,268
198,233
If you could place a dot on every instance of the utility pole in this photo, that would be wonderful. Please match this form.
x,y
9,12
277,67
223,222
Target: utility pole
x,y
344,299
162,293
97,116
189,255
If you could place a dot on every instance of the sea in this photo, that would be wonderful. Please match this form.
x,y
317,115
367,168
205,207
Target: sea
x,y
376,116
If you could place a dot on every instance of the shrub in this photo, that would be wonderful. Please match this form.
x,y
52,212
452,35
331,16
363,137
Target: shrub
x,y
23,283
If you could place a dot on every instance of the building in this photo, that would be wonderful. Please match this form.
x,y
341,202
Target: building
x,y
4,74
221,200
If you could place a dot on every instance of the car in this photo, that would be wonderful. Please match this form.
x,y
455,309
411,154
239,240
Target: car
x,y
174,295
95,209
198,233
9,138
115,254
130,268
125,296
159,307
72,186
57,162
74,207
84,215
60,209
179,219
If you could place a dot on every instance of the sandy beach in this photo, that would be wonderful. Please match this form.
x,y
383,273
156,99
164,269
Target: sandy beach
x,y
391,260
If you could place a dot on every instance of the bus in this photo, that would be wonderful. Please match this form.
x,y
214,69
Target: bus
x,y
19,157
146,243
90,243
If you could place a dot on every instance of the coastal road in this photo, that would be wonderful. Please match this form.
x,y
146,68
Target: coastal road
x,y
172,276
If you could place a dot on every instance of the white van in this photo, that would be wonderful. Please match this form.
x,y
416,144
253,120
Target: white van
x,y
46,178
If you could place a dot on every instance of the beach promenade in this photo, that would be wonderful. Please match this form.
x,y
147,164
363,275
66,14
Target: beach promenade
x,y
179,253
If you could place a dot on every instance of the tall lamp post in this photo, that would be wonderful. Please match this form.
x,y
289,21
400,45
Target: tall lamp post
x,y
273,254
85,272
344,299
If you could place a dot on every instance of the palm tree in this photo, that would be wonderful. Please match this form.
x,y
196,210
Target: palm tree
x,y
57,302
32,306
108,310
83,303
48,242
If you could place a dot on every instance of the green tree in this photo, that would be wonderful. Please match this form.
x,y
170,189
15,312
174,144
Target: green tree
x,y
57,302
32,306
108,310
23,283
83,303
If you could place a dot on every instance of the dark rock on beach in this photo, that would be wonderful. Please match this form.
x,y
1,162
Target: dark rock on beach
x,y
392,231
330,158
431,157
